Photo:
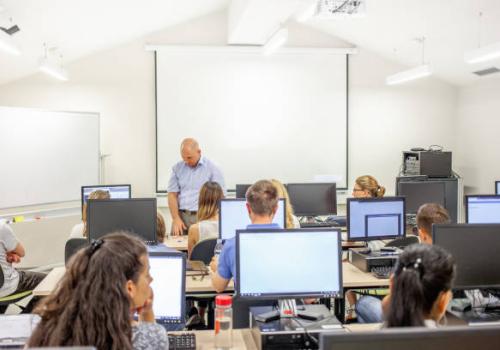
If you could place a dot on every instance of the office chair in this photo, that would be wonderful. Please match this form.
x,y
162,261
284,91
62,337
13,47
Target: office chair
x,y
403,242
204,250
72,246
13,298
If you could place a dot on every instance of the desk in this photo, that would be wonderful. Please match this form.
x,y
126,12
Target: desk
x,y
242,339
177,242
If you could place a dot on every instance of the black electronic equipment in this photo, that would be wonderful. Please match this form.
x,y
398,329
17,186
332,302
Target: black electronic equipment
x,y
373,260
241,190
183,341
430,163
313,199
497,187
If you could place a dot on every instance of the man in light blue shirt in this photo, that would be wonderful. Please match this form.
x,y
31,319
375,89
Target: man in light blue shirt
x,y
188,176
262,204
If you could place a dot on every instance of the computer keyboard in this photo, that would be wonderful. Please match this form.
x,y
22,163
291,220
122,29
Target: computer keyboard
x,y
316,224
184,341
382,272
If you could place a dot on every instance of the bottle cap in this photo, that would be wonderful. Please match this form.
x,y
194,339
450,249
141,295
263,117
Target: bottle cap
x,y
223,300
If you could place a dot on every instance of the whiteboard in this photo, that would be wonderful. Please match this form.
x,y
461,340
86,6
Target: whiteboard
x,y
46,156
282,116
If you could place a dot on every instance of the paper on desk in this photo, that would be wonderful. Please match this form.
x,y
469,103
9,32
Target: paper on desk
x,y
15,326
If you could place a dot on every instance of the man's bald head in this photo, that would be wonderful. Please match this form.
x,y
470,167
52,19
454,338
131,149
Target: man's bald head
x,y
190,152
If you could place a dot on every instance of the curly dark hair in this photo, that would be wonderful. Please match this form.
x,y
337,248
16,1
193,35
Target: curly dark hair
x,y
91,305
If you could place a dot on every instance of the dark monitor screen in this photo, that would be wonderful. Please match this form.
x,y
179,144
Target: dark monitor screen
x,y
115,191
288,263
475,250
484,209
414,338
313,199
241,190
375,218
137,215
233,215
417,193
497,187
169,286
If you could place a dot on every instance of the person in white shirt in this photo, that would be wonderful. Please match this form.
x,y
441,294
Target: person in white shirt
x,y
80,230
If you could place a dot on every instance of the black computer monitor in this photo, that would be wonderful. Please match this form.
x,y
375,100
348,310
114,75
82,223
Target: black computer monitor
x,y
241,190
115,191
414,338
168,270
313,199
275,264
482,209
497,187
233,215
375,218
475,250
136,215
417,193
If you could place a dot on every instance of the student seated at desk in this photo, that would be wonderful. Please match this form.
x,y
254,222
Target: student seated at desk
x,y
80,230
11,251
369,308
262,204
291,220
207,225
94,304
161,228
420,288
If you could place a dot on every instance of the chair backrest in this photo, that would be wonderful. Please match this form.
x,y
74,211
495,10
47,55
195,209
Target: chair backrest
x,y
72,246
204,250
1,277
403,242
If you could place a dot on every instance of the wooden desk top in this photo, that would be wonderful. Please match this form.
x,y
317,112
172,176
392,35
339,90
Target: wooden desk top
x,y
242,339
352,278
177,242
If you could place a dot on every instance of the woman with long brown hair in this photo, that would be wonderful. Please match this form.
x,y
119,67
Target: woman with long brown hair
x,y
105,285
208,214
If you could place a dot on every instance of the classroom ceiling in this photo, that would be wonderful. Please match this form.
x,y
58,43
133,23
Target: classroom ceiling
x,y
81,28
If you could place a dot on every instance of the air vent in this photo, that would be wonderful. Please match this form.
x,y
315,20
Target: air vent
x,y
486,71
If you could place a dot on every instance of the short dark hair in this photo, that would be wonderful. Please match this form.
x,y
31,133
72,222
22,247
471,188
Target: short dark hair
x,y
431,213
262,197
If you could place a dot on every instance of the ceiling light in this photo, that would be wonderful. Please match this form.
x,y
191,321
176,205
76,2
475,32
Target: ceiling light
x,y
275,42
408,75
7,44
52,69
483,54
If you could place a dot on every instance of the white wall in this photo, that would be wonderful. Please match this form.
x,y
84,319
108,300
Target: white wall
x,y
477,135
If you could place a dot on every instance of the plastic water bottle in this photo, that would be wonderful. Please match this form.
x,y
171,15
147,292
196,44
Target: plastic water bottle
x,y
218,247
223,322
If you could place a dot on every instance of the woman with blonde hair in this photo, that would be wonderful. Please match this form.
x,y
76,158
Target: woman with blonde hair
x,y
367,186
291,220
207,225
80,230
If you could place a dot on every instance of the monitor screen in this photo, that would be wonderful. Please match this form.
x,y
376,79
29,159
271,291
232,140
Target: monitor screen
x,y
241,190
414,338
418,193
313,199
137,215
169,286
115,191
288,263
475,250
497,187
482,209
375,218
233,215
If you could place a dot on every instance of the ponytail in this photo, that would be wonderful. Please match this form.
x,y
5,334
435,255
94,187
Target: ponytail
x,y
380,191
370,184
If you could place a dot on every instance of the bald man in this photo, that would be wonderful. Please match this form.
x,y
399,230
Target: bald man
x,y
188,176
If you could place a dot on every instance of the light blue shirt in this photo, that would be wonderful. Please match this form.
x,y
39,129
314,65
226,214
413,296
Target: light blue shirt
x,y
187,181
226,266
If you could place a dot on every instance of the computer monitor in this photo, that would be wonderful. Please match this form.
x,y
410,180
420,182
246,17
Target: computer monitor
x,y
241,190
136,215
414,338
483,209
417,193
475,250
375,218
313,199
274,264
233,215
115,191
168,270
497,187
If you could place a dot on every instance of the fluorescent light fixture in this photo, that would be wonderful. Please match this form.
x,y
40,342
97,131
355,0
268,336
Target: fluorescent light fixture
x,y
275,42
307,12
408,75
7,44
483,54
52,69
